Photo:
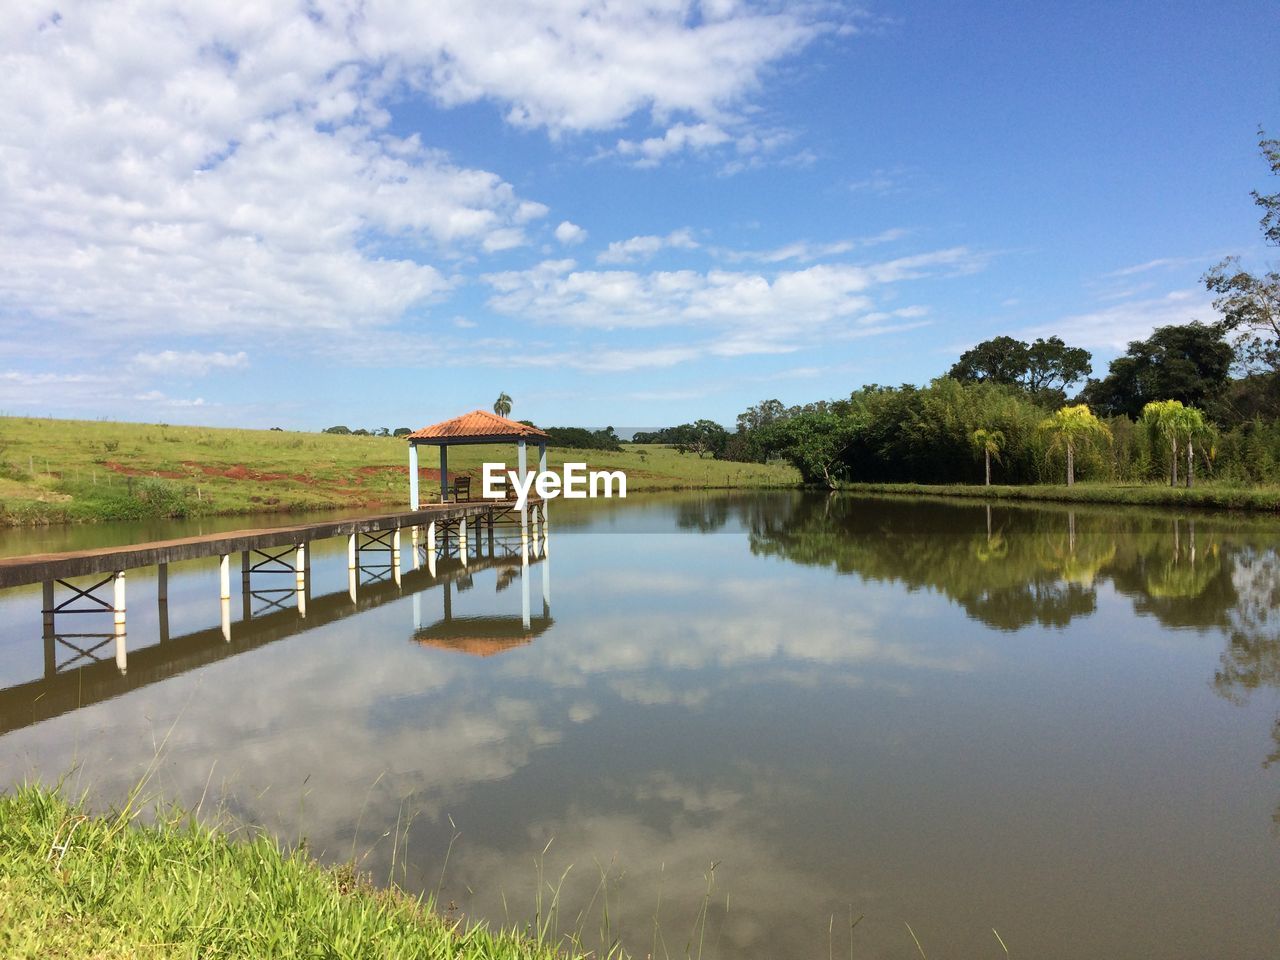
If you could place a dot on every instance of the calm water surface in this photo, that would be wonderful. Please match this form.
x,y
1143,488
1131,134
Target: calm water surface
x,y
1054,723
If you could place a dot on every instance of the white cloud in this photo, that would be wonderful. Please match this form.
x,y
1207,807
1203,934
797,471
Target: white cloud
x,y
587,65
155,397
190,363
678,139
1159,264
184,168
570,233
1113,327
735,312
803,251
642,248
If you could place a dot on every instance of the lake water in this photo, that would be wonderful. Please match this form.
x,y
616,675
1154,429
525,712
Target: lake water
x,y
1055,723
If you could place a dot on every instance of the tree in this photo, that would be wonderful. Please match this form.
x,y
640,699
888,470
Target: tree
x,y
502,406
999,360
1250,304
1052,366
988,443
1073,428
1044,369
1166,423
1190,362
703,437
815,443
344,430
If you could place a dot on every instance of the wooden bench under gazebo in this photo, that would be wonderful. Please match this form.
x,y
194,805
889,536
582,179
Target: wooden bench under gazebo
x,y
476,427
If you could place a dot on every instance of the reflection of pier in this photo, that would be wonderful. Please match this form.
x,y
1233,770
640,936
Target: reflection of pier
x,y
446,554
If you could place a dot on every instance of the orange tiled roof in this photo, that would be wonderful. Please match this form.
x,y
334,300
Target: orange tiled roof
x,y
478,423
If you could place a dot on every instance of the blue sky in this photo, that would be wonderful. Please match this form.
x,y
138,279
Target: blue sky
x,y
383,214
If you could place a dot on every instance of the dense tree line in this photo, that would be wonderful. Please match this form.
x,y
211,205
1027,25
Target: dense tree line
x,y
580,438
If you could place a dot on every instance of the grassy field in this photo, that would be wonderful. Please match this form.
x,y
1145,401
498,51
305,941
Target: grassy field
x,y
86,888
1207,495
57,471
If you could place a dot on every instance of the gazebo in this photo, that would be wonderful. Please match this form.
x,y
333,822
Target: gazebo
x,y
478,426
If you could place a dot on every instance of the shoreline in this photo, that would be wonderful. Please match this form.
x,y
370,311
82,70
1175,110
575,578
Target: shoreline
x,y
1207,497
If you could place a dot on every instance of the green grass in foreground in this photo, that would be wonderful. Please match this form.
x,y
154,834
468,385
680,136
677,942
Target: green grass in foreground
x,y
1208,495
59,471
79,887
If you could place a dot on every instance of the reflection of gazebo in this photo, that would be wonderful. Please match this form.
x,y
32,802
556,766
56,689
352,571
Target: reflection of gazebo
x,y
478,426
487,635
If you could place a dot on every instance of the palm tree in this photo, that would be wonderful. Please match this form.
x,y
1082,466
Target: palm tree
x,y
502,406
988,443
1164,422
1072,428
1177,425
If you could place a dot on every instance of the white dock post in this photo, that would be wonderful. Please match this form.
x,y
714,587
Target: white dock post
x,y
226,619
524,592
119,607
395,555
224,576
463,543
300,577
413,548
118,611
413,475
353,552
122,653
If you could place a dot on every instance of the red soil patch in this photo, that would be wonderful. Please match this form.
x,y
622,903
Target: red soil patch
x,y
121,469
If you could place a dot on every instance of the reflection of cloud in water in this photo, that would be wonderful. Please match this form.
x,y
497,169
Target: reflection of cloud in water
x,y
322,718
656,840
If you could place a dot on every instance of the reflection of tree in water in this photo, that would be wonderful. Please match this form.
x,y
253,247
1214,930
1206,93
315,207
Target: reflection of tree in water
x,y
1006,568
712,513
1251,660
1011,568
706,515
1252,657
1177,571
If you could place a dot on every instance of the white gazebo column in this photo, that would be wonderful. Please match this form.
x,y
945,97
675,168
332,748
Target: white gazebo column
x,y
413,475
444,473
542,468
522,465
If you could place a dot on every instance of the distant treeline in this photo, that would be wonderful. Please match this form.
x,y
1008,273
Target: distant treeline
x,y
988,405
361,432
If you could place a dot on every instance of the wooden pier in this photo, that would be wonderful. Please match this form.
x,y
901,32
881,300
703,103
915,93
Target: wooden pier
x,y
445,530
